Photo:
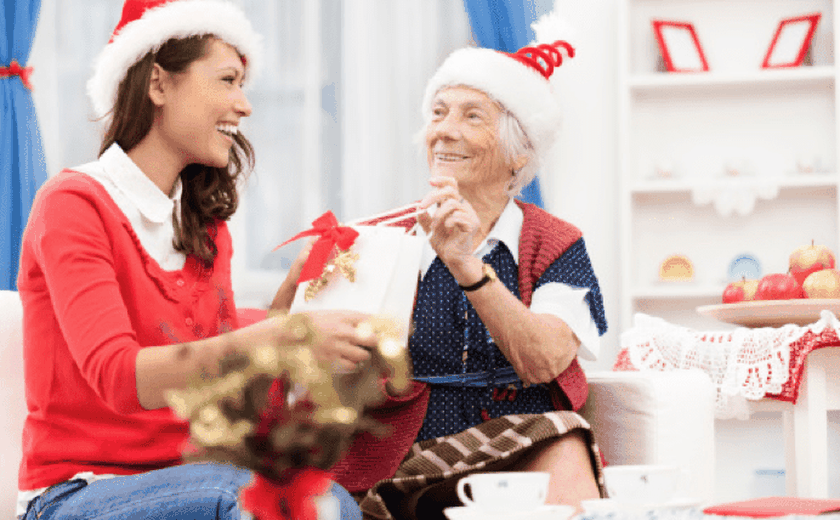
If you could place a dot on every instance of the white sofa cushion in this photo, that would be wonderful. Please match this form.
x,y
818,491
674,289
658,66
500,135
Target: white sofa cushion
x,y
657,418
12,397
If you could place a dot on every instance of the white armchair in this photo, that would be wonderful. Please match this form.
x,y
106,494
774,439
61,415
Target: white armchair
x,y
638,418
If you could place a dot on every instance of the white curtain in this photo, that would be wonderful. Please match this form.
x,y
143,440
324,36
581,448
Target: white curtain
x,y
335,111
69,36
387,71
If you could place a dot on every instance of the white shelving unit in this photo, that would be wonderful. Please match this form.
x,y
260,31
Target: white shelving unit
x,y
700,126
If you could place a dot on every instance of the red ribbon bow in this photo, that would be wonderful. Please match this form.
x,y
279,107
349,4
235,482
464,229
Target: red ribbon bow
x,y
14,69
331,234
293,499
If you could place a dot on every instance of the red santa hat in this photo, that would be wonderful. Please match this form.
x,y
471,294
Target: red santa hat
x,y
520,81
146,25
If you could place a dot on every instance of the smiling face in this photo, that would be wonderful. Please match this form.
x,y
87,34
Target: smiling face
x,y
462,138
200,109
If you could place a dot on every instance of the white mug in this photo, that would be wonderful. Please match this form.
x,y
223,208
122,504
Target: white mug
x,y
505,491
643,483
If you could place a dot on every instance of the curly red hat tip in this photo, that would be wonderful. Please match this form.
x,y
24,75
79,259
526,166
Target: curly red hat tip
x,y
544,58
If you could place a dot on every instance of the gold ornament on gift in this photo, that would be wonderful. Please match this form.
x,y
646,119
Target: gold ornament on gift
x,y
343,262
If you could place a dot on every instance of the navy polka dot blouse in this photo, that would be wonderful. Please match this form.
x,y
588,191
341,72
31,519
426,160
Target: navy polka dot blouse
x,y
449,338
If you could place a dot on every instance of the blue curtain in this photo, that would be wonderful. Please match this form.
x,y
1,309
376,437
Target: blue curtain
x,y
505,25
22,167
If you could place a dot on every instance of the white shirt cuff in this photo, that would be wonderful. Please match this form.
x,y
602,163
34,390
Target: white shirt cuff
x,y
569,304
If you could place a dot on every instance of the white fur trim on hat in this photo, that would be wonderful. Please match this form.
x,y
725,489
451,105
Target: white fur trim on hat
x,y
521,89
178,19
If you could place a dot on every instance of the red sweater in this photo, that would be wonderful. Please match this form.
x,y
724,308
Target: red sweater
x,y
92,298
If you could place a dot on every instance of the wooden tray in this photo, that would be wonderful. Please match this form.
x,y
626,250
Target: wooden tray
x,y
771,313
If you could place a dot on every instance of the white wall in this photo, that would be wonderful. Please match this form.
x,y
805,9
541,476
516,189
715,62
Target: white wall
x,y
750,458
579,184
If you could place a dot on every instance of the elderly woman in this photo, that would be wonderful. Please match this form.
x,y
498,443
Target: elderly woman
x,y
506,301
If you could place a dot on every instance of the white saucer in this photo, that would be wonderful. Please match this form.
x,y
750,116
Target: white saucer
x,y
611,504
556,512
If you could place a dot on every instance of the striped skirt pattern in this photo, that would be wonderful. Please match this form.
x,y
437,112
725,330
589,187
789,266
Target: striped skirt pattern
x,y
425,481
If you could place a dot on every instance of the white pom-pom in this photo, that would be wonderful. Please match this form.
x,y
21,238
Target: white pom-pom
x,y
553,26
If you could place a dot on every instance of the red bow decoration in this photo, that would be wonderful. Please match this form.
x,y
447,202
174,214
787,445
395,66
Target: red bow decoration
x,y
331,235
293,499
549,54
14,69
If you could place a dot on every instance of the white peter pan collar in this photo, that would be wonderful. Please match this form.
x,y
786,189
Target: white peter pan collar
x,y
149,211
152,203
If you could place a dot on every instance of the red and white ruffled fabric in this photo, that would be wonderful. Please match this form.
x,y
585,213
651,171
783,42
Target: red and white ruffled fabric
x,y
744,364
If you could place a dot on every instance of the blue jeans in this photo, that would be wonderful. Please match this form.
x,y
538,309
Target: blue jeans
x,y
188,492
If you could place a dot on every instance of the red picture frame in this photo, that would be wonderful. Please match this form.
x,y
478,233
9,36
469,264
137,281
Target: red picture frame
x,y
680,46
791,41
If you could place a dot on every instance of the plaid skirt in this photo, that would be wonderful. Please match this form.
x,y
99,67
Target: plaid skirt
x,y
424,483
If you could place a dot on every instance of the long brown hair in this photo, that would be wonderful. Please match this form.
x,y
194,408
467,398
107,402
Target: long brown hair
x,y
208,193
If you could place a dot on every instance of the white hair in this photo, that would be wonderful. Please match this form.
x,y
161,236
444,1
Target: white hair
x,y
515,143
512,139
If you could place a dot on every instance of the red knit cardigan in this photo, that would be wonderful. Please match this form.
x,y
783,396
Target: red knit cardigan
x,y
543,239
92,299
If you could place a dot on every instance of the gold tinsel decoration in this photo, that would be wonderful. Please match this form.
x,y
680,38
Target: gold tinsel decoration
x,y
276,408
343,261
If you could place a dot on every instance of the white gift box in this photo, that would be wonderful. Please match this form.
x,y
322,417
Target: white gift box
x,y
387,272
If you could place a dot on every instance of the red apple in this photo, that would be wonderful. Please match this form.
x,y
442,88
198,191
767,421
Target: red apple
x,y
822,284
778,286
743,290
733,293
810,259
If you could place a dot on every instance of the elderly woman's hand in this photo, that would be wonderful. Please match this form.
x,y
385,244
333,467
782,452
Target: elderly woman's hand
x,y
454,225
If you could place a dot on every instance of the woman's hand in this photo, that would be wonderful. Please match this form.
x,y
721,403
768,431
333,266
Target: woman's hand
x,y
165,367
285,295
340,341
337,338
453,227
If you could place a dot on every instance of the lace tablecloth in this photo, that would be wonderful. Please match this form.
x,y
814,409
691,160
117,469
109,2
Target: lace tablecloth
x,y
744,364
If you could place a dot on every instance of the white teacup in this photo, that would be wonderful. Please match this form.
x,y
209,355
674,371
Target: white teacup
x,y
505,491
646,483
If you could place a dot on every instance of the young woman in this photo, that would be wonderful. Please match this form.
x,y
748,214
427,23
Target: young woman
x,y
125,276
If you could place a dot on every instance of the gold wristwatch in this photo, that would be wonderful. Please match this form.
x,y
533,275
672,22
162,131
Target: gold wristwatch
x,y
489,276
